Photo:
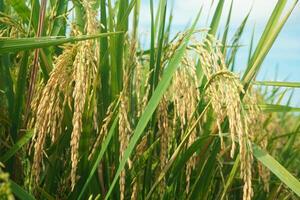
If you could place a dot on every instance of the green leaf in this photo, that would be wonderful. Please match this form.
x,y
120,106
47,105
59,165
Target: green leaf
x,y
20,192
59,21
181,162
278,108
278,84
19,97
275,167
267,40
231,176
18,145
216,18
206,174
12,45
21,8
224,40
236,40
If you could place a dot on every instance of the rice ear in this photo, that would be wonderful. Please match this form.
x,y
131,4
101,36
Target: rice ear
x,y
50,108
84,72
224,89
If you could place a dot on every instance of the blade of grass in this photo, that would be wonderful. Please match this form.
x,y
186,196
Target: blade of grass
x,y
20,192
21,8
275,167
278,84
231,176
224,40
278,108
236,40
18,145
162,24
216,18
59,21
199,189
267,40
19,97
104,58
14,45
34,69
6,76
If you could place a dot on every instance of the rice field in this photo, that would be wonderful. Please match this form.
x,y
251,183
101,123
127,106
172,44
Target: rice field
x,y
87,112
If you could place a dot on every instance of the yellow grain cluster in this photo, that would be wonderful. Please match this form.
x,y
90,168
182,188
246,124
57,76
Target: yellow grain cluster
x,y
124,133
185,96
70,83
13,28
164,130
49,111
124,124
84,72
104,128
224,89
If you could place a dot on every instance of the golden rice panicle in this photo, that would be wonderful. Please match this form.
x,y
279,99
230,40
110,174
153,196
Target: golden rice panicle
x,y
134,193
164,129
50,108
84,70
224,89
264,172
104,128
174,45
35,103
185,96
80,76
124,126
256,119
141,85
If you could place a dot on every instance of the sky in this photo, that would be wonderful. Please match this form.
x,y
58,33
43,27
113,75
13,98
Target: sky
x,y
283,61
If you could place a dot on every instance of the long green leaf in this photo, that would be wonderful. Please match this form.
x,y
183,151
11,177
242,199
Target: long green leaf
x,y
224,40
12,45
266,42
21,8
275,167
216,18
231,176
59,21
20,192
19,97
278,108
21,142
278,84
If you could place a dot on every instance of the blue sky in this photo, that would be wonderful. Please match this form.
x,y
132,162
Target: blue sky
x,y
282,62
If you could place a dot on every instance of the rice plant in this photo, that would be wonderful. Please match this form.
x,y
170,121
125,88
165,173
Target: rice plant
x,y
90,112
